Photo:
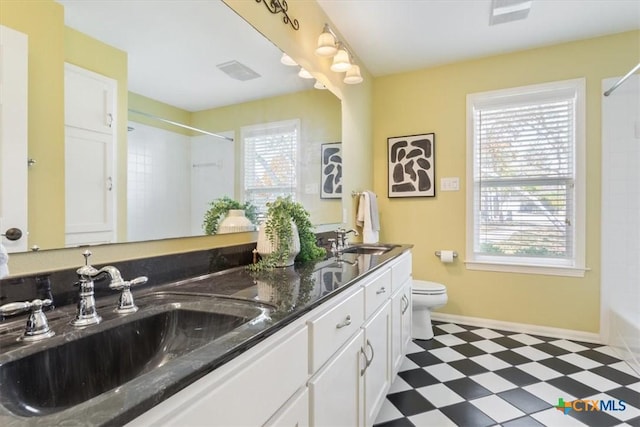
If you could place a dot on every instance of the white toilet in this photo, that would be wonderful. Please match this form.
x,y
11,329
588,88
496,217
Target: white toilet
x,y
426,296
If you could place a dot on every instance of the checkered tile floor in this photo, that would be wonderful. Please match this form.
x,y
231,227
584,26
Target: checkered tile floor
x,y
471,376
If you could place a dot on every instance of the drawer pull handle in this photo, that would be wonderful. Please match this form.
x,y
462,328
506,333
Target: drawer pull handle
x,y
366,365
367,360
344,323
382,290
406,302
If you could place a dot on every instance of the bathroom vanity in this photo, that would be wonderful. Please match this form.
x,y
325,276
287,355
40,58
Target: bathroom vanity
x,y
319,344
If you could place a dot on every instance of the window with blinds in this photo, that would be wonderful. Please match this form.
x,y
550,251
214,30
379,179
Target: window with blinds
x,y
525,201
270,162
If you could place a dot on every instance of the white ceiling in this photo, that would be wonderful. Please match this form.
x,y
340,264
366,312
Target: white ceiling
x,y
174,45
401,35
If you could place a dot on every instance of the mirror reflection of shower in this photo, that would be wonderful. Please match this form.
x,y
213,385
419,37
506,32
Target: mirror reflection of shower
x,y
161,164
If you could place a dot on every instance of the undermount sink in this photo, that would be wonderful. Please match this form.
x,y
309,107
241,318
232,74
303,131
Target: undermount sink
x,y
75,370
366,249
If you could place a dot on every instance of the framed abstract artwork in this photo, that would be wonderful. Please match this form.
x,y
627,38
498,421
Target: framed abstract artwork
x,y
411,166
331,171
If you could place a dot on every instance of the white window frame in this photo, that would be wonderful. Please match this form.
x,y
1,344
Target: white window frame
x,y
294,123
573,267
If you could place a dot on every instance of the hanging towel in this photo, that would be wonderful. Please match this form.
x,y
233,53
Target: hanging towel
x,y
4,262
368,218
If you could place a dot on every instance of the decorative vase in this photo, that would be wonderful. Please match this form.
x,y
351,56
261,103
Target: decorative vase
x,y
235,222
265,247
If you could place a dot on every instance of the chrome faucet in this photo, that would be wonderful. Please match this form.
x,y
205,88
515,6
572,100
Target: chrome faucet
x,y
340,243
86,313
341,238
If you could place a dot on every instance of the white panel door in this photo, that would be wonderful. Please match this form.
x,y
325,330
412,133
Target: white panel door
x,y
90,187
13,136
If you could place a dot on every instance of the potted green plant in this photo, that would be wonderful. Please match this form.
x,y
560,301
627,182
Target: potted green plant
x,y
219,208
284,217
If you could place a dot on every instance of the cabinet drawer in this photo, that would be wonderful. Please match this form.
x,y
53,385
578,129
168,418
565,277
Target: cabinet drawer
x,y
400,271
333,327
376,291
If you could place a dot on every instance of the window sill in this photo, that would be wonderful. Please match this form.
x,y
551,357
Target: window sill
x,y
526,269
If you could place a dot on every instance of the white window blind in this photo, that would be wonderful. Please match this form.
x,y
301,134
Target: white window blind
x,y
270,162
524,169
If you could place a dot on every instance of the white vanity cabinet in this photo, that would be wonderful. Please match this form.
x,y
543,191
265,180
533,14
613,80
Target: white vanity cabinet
x,y
331,367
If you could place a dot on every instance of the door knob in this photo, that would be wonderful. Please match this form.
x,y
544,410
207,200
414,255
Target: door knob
x,y
13,234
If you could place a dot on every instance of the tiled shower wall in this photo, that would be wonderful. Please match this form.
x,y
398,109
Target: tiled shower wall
x,y
162,166
620,280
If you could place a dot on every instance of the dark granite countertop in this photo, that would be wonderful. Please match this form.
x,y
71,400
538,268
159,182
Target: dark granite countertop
x,y
283,295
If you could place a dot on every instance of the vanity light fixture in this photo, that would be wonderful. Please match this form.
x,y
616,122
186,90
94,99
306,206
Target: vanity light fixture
x,y
330,46
304,74
353,76
326,43
287,60
341,61
319,85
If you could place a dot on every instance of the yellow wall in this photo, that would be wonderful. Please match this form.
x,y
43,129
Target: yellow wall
x,y
434,100
43,22
320,122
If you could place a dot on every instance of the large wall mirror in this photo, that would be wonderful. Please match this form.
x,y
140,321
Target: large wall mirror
x,y
198,80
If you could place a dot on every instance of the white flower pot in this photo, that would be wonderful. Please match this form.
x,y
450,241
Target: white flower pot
x,y
265,247
235,222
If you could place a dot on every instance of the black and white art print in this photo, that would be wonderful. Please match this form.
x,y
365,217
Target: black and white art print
x,y
411,166
331,174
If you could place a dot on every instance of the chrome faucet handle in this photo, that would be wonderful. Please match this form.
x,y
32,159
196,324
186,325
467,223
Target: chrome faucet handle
x,y
87,271
125,302
86,312
37,327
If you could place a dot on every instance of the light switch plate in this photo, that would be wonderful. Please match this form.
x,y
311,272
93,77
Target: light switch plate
x,y
450,184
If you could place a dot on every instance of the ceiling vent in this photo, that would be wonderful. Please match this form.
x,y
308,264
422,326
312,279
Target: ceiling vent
x,y
238,71
508,10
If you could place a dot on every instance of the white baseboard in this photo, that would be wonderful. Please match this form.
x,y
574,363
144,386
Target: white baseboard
x,y
567,334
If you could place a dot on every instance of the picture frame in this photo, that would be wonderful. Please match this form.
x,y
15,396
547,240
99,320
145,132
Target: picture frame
x,y
411,166
331,171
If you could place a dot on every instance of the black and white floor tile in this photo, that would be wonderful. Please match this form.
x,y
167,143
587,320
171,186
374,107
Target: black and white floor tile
x,y
473,376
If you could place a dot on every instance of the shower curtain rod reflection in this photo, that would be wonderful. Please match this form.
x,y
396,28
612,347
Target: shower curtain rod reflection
x,y
619,82
171,122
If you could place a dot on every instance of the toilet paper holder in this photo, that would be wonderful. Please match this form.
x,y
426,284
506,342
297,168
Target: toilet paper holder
x,y
455,254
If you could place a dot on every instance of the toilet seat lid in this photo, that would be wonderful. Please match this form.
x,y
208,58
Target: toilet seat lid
x,y
426,287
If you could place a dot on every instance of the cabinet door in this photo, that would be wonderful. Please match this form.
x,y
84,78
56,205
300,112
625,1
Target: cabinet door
x,y
336,391
294,413
407,318
397,305
377,378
